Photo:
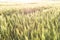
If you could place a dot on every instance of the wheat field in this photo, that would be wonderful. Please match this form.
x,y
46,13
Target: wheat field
x,y
42,24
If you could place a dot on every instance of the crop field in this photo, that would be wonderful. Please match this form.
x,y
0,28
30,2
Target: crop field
x,y
41,23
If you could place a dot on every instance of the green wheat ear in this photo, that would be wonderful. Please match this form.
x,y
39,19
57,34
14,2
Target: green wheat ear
x,y
39,25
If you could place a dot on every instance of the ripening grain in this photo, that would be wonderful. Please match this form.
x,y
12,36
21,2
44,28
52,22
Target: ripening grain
x,y
41,24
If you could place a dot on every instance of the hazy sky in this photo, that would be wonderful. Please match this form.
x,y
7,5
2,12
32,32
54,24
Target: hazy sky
x,y
25,1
